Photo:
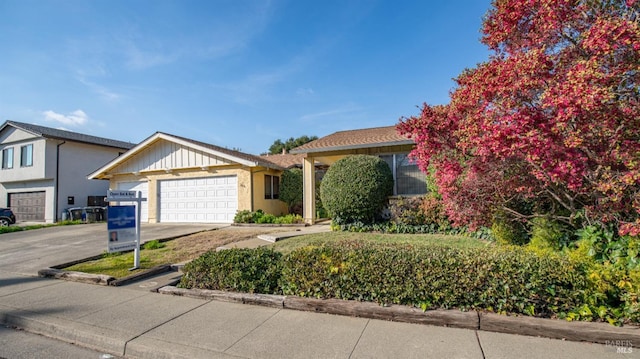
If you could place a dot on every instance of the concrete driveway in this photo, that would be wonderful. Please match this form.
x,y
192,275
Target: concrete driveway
x,y
27,252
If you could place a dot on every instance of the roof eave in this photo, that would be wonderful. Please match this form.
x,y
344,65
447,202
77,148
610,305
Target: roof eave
x,y
85,142
16,125
101,173
353,147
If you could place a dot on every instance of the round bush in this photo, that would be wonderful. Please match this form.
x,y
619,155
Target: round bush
x,y
356,188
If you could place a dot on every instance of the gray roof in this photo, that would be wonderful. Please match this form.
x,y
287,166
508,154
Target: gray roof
x,y
53,133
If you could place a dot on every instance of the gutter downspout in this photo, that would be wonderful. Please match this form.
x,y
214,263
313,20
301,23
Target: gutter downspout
x,y
57,191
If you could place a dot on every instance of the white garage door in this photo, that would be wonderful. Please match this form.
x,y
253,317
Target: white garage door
x,y
137,186
202,200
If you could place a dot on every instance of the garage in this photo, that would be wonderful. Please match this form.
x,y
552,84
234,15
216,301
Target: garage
x,y
28,206
198,200
137,186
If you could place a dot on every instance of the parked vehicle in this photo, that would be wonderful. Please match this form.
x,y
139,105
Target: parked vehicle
x,y
7,217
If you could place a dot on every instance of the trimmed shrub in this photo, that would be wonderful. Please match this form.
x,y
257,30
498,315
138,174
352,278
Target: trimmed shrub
x,y
507,231
392,227
547,234
246,216
260,217
291,189
289,219
266,218
504,279
356,188
500,279
242,270
407,211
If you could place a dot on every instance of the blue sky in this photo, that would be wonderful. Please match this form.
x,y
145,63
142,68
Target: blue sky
x,y
234,73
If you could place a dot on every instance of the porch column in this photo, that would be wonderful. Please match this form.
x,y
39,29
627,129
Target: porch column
x,y
309,190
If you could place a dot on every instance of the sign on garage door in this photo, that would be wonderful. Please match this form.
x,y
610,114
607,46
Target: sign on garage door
x,y
201,200
137,186
28,206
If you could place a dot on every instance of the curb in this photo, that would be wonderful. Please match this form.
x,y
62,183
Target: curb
x,y
99,339
81,277
99,256
269,225
602,333
142,275
101,279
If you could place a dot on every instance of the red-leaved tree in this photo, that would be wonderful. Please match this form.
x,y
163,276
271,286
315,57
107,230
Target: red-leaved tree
x,y
552,119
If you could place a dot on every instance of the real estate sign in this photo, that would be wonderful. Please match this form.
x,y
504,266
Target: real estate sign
x,y
121,226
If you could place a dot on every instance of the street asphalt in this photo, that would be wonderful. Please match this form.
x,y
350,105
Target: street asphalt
x,y
26,252
133,323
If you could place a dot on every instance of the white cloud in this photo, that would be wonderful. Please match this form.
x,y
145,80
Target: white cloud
x,y
140,59
304,91
102,91
339,112
75,118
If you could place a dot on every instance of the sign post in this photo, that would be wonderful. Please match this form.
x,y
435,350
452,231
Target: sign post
x,y
123,223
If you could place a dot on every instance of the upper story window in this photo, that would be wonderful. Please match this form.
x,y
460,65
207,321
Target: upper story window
x,y
7,158
407,177
26,156
271,187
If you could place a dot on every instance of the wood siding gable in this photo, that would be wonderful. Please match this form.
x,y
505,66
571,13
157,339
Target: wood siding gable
x,y
164,155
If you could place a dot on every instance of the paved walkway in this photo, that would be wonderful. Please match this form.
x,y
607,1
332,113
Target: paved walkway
x,y
140,324
132,322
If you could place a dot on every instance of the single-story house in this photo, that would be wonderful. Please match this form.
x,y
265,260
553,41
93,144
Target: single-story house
x,y
44,170
191,181
384,142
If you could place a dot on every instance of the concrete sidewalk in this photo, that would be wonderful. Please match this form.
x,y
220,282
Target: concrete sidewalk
x,y
138,324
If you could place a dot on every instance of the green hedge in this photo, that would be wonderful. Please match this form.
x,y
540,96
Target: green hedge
x,y
498,279
242,270
510,280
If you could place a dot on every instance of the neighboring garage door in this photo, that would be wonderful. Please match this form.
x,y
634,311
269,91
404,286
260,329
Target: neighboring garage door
x,y
201,200
137,186
28,206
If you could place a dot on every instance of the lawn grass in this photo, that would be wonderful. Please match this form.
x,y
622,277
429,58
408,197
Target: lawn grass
x,y
290,244
176,251
114,264
118,265
190,247
15,228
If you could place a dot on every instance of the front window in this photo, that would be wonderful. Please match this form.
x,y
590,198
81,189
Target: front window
x,y
407,177
271,187
26,156
7,158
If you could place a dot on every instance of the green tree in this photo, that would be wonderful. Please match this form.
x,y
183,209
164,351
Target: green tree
x,y
551,118
277,146
291,189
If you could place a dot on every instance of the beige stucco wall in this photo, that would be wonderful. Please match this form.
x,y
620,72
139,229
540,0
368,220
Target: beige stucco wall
x,y
243,175
329,158
271,206
248,178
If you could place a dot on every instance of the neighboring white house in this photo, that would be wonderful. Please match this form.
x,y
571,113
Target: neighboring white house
x,y
44,170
